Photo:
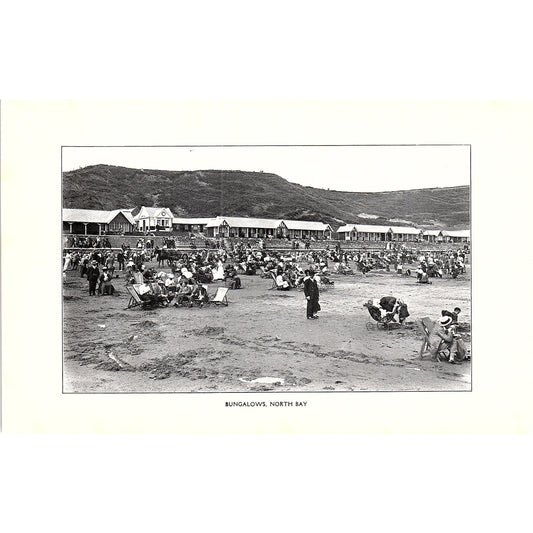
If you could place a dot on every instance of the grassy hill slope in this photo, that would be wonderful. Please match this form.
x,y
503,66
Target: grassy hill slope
x,y
205,193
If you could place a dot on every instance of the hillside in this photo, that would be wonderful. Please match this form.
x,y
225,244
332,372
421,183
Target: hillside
x,y
206,193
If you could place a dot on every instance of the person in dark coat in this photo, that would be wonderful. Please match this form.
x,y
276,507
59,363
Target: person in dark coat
x,y
93,274
311,294
120,259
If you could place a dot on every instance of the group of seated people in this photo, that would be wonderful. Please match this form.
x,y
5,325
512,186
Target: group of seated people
x,y
289,275
443,341
162,288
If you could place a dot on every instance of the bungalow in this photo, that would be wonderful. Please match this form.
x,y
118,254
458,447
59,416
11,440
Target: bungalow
x,y
404,233
456,236
431,235
97,222
367,232
266,227
154,219
245,227
364,232
196,225
306,229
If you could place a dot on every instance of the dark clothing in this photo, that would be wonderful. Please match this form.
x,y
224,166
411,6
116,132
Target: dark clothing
x,y
403,313
235,283
312,294
388,303
92,275
451,314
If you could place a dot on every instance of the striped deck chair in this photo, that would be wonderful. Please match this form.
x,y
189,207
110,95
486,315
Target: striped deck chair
x,y
220,297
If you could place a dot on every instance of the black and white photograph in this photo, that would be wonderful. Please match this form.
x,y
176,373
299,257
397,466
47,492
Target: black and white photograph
x,y
266,268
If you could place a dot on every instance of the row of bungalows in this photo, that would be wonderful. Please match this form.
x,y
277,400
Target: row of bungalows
x,y
151,219
266,228
362,232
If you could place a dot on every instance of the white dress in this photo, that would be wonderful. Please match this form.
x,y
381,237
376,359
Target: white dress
x,y
218,272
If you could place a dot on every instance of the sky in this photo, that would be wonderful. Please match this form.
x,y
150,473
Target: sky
x,y
343,168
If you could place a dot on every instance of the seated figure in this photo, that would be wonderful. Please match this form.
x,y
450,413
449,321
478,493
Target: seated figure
x,y
282,284
445,343
185,292
106,285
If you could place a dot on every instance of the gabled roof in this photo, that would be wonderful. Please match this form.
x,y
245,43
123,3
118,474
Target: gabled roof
x,y
94,215
154,212
125,212
215,222
306,225
245,222
405,230
369,228
457,233
434,232
346,228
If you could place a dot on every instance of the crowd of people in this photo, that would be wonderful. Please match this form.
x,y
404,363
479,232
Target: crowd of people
x,y
74,241
307,269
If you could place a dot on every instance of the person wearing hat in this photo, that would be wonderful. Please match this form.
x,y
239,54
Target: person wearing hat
x,y
311,294
93,274
445,343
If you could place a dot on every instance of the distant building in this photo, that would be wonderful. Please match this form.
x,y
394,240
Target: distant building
x,y
97,222
246,227
431,235
154,219
195,225
367,232
404,233
456,235
362,232
306,229
267,227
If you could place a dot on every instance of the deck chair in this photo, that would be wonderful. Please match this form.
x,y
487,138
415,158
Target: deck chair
x,y
135,299
221,297
275,283
424,325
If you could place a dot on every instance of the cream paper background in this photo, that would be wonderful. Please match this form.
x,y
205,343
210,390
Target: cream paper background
x,y
32,135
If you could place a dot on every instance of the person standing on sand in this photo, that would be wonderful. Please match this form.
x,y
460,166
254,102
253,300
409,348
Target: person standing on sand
x,y
311,294
93,274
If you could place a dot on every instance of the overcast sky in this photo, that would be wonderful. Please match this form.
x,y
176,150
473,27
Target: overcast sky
x,y
344,168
